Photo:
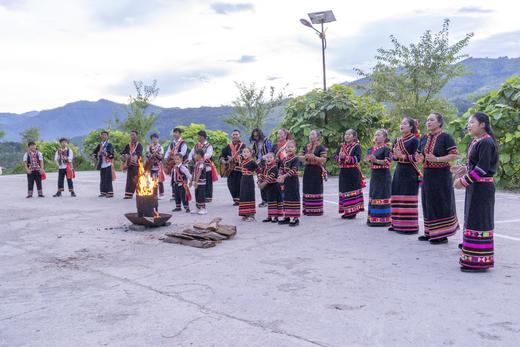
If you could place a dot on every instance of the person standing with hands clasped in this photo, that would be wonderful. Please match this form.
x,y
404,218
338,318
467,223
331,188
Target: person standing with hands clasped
x,y
33,164
479,211
246,208
290,186
379,157
437,149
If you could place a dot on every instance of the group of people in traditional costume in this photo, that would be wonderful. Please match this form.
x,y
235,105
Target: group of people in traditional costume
x,y
392,201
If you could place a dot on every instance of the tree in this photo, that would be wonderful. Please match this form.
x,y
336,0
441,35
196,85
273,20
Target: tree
x,y
30,134
333,112
252,106
137,117
409,78
503,108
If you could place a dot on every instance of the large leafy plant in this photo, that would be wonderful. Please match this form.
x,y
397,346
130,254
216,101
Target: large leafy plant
x,y
333,112
503,108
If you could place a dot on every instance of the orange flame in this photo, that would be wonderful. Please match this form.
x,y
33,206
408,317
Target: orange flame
x,y
146,184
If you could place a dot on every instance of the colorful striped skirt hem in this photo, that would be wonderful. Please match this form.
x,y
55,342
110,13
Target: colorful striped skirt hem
x,y
351,203
291,209
379,212
274,209
405,213
441,228
246,208
477,249
313,204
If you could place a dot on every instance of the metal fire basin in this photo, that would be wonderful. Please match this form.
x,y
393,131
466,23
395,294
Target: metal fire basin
x,y
148,221
147,205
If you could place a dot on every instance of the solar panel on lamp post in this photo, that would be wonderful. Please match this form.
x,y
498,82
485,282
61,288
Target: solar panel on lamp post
x,y
320,18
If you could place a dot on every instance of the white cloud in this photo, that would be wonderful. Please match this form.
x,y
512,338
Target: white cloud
x,y
54,52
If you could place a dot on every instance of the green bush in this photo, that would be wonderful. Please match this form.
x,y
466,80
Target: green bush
x,y
503,108
333,112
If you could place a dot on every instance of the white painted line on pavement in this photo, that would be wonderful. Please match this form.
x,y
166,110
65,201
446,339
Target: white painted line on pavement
x,y
496,222
507,221
507,237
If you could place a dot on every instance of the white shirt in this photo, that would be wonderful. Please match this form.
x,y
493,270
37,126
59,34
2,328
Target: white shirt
x,y
57,158
104,162
207,155
40,156
182,150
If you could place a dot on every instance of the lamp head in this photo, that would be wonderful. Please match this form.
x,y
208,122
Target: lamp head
x,y
306,22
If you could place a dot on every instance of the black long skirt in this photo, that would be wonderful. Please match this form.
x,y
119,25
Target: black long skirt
x,y
404,201
274,200
438,203
291,197
479,225
312,191
350,192
233,183
247,205
209,187
379,208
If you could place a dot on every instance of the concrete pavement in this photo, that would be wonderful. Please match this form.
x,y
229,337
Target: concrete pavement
x,y
72,275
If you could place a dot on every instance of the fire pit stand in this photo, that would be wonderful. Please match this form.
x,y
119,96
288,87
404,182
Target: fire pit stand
x,y
149,222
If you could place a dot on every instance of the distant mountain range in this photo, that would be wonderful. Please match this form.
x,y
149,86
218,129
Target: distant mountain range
x,y
77,119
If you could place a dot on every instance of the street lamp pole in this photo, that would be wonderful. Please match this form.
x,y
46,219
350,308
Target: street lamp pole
x,y
320,18
323,46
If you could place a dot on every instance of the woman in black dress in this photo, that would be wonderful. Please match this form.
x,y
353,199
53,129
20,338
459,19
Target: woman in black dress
x,y
314,156
407,176
246,207
351,182
379,158
290,186
437,149
477,246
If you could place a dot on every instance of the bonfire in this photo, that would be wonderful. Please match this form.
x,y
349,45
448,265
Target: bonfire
x,y
147,203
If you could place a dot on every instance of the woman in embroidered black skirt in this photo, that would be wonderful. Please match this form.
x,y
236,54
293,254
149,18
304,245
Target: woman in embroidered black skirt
x,y
379,157
437,149
314,156
479,211
290,186
405,184
247,204
351,181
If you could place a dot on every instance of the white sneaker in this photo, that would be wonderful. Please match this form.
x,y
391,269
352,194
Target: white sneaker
x,y
202,211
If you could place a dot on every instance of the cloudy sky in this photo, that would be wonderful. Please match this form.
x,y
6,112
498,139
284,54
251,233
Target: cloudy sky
x,y
55,52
